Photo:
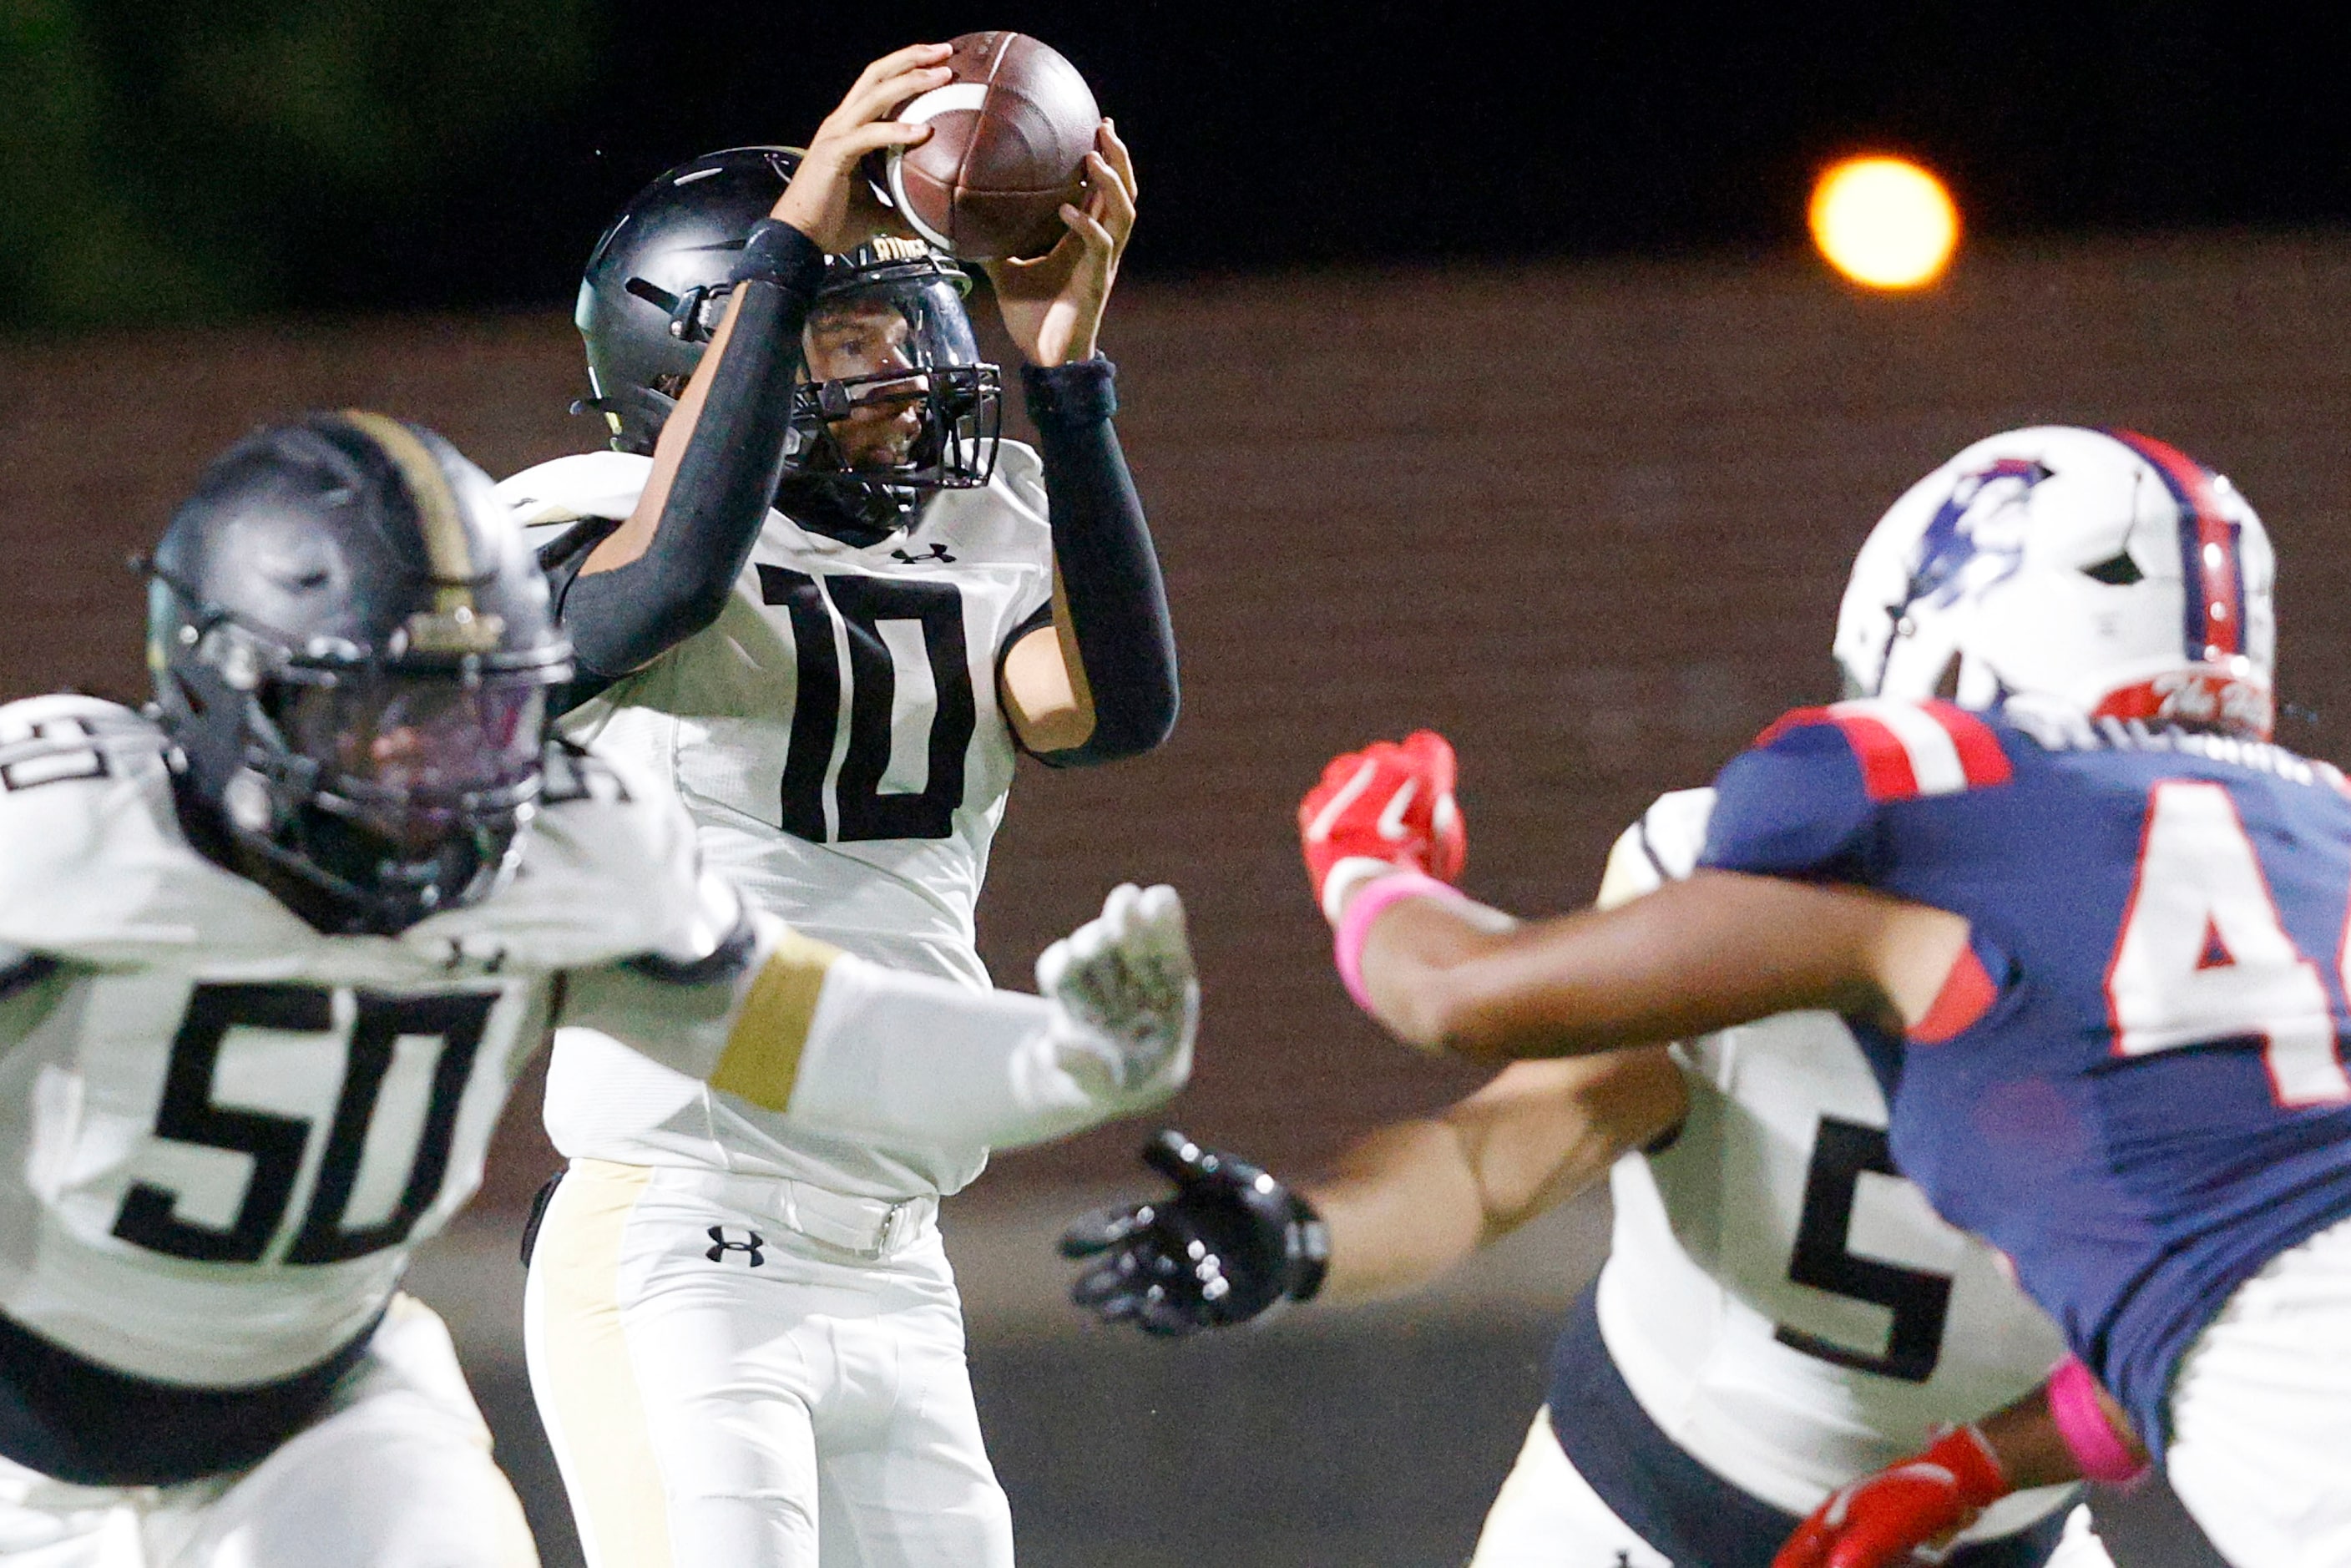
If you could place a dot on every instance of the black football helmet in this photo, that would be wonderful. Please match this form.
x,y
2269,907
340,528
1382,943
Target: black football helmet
x,y
654,295
352,647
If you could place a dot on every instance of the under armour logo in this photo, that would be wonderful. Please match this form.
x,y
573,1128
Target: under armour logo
x,y
938,552
720,1246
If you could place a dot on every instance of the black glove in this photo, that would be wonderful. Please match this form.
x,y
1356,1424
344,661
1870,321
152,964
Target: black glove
x,y
1230,1243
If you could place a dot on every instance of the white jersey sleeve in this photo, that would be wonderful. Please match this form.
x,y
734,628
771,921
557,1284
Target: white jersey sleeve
x,y
552,496
824,1041
837,740
1782,1304
222,1130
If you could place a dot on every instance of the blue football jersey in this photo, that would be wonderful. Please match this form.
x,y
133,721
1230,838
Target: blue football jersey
x,y
2133,1084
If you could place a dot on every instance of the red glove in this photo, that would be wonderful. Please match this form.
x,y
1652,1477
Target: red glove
x,y
1385,808
1880,1519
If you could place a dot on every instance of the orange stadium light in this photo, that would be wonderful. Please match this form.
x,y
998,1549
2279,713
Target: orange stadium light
x,y
1884,223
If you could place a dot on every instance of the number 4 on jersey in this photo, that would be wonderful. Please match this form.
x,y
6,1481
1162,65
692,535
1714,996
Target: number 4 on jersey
x,y
2203,956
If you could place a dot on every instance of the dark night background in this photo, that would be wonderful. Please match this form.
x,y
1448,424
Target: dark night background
x,y
204,159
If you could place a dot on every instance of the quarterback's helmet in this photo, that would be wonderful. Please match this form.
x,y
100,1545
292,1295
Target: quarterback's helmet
x,y
2102,568
655,293
352,647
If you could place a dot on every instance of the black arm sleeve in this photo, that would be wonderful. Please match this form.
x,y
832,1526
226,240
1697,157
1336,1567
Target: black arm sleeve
x,y
623,618
1110,573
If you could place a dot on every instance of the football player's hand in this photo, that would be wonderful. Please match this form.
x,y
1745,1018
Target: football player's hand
x,y
1900,1514
1386,807
1125,978
1052,306
1228,1243
826,199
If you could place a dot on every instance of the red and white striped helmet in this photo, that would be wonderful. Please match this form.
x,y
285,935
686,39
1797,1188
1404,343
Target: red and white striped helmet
x,y
2100,568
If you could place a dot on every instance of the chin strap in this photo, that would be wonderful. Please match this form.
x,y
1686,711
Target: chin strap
x,y
858,514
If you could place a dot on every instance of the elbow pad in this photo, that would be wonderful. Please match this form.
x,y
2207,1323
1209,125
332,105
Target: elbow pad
x,y
1110,582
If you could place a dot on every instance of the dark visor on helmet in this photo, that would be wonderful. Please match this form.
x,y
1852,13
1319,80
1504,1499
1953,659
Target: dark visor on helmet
x,y
405,753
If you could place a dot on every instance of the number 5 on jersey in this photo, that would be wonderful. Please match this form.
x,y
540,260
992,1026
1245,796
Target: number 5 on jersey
x,y
2203,956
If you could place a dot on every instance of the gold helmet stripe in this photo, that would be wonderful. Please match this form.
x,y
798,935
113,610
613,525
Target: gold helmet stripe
x,y
446,544
451,626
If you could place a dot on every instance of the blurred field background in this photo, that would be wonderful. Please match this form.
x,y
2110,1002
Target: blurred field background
x,y
1564,453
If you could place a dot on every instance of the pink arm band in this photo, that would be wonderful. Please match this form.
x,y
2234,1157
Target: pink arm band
x,y
1366,907
2096,1447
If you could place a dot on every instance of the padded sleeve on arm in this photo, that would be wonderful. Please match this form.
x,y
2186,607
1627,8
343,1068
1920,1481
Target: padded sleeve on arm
x,y
834,1043
1110,573
623,618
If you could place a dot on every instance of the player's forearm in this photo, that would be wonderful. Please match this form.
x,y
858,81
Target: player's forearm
x,y
1412,1200
2093,1439
1111,604
833,1042
1401,1208
1695,956
906,1057
666,573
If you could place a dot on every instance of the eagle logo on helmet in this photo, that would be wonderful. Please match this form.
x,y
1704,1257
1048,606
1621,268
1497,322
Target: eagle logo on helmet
x,y
2100,570
1965,549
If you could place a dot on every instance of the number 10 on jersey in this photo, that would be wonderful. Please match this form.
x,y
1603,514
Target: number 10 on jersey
x,y
873,613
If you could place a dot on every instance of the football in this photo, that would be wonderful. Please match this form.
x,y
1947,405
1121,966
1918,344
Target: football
x,y
1008,147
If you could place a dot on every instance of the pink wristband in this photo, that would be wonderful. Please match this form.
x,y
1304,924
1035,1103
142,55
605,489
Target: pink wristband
x,y
2096,1447
1366,907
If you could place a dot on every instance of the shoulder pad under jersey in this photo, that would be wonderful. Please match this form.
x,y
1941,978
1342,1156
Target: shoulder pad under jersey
x,y
1006,521
1020,466
585,485
1021,472
611,871
1902,749
1662,847
1802,801
93,865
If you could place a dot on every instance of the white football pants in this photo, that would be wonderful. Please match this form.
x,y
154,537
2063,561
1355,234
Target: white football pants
x,y
2261,1413
396,1474
720,1388
1548,1516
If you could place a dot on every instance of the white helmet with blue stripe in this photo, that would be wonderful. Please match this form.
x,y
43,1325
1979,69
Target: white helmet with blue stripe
x,y
2099,568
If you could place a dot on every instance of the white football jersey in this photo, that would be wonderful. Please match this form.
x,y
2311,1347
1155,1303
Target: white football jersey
x,y
837,738
220,1130
1786,1308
